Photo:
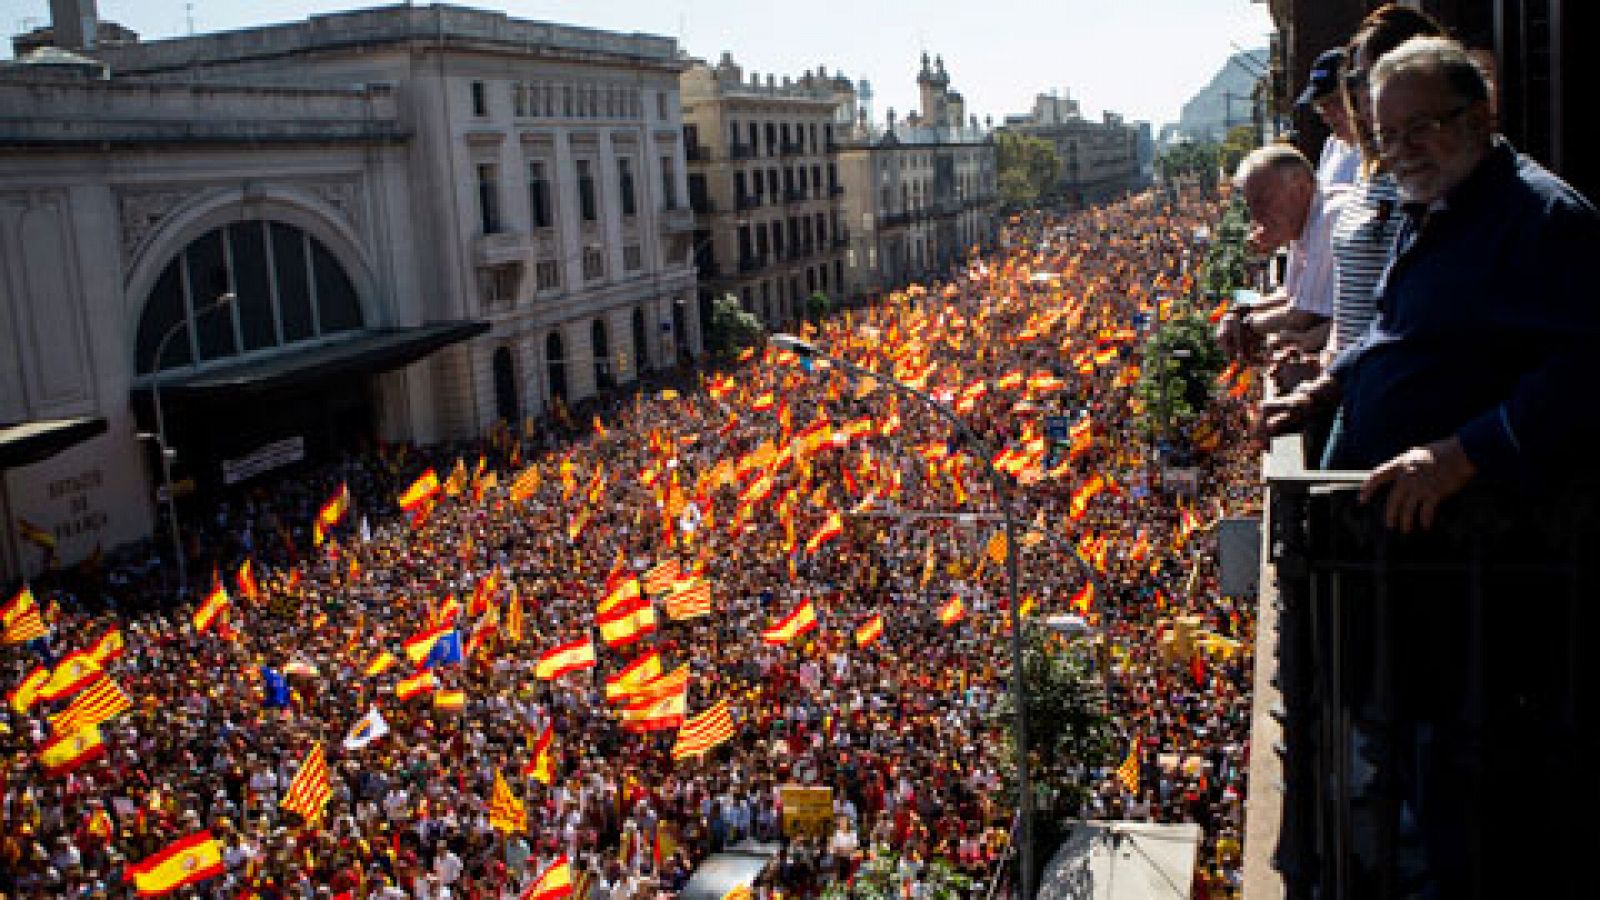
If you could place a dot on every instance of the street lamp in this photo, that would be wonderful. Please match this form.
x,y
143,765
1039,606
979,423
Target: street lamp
x,y
806,351
167,453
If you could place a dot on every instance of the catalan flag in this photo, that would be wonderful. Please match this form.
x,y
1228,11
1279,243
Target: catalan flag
x,y
704,731
513,625
184,862
211,608
689,599
23,696
66,752
1128,772
660,578
416,685
19,603
310,791
97,704
570,657
542,759
525,485
801,620
554,883
952,611
869,631
27,625
506,812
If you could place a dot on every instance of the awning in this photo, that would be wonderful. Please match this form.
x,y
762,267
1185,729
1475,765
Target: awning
x,y
367,352
29,442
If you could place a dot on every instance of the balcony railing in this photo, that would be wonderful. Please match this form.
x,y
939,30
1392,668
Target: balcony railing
x,y
894,220
753,263
501,248
747,201
841,241
741,151
677,218
836,190
697,152
1420,671
792,148
794,195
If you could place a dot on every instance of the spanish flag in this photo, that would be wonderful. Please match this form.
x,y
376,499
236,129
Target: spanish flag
x,y
246,579
65,753
642,670
570,657
108,647
211,608
952,612
450,700
796,623
407,688
330,513
1083,600
420,492
829,530
554,883
542,762
512,627
75,672
191,860
21,699
627,623
380,663
656,714
870,631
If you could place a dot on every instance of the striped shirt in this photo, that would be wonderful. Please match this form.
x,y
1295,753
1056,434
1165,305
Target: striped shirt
x,y
1363,241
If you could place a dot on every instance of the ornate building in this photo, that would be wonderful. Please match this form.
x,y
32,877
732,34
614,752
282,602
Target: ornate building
x,y
919,193
764,183
430,220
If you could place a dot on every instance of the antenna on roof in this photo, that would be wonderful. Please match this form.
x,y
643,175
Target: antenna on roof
x,y
188,10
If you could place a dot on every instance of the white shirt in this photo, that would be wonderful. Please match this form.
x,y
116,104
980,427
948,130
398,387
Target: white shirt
x,y
1339,165
1309,280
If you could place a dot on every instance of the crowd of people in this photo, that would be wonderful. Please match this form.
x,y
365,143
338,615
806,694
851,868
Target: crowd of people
x,y
903,729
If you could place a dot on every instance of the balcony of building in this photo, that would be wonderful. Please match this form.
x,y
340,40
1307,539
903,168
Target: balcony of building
x,y
792,148
746,201
754,262
894,220
741,151
1426,719
500,248
676,219
697,152
792,196
836,190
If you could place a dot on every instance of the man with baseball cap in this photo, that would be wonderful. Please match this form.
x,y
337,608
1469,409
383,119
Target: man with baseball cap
x,y
1340,160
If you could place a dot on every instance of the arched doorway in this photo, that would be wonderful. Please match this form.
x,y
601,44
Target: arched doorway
x,y
641,349
600,345
289,293
556,365
505,387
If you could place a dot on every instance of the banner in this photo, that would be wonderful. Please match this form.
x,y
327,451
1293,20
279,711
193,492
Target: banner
x,y
807,811
264,458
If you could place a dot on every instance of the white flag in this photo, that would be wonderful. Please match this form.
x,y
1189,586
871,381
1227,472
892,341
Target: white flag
x,y
370,728
366,531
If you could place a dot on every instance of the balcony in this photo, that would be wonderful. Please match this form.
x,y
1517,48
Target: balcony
x,y
741,151
703,205
753,263
841,242
708,268
697,152
792,148
830,148
836,190
894,220
500,248
1417,671
794,195
677,219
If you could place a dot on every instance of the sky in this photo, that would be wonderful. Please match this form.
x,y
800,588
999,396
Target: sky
x,y
1140,58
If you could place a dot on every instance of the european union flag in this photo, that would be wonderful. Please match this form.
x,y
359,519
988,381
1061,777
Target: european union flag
x,y
446,650
277,690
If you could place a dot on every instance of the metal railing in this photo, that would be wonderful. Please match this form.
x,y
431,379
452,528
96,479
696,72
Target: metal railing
x,y
1440,720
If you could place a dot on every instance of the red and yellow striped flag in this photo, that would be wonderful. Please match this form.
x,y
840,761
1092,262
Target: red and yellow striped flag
x,y
506,812
310,791
830,529
450,700
796,623
870,631
27,625
97,704
513,624
1128,772
380,663
249,588
703,732
108,647
952,611
542,762
570,657
407,688
190,860
643,669
211,608
22,698
424,489
66,752
690,599
554,883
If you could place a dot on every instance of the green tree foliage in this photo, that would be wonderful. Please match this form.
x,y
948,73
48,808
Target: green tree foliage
x,y
1223,270
1181,362
732,329
818,305
1027,167
1191,158
1068,724
1236,146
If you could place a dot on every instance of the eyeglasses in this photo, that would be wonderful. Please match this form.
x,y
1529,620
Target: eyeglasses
x,y
1420,130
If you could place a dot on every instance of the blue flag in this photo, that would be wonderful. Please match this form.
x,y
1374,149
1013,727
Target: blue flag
x,y
446,650
276,694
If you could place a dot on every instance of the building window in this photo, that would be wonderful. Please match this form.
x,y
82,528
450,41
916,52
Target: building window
x,y
733,137
480,99
594,264
625,184
546,275
632,258
669,184
519,99
587,205
538,194
488,198
499,285
566,100
661,105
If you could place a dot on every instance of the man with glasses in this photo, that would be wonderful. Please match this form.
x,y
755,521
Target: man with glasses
x,y
1476,366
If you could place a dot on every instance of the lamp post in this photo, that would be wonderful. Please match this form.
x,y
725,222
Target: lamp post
x,y
167,453
805,350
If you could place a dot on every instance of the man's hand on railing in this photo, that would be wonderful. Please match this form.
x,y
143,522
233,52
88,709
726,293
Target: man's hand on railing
x,y
1291,412
1419,480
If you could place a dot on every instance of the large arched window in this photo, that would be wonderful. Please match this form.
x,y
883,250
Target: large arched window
x,y
289,289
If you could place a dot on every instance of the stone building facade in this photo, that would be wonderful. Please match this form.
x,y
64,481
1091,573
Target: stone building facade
x,y
431,219
1099,160
919,193
764,183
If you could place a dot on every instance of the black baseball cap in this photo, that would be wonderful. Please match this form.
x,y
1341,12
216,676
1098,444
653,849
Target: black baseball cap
x,y
1324,77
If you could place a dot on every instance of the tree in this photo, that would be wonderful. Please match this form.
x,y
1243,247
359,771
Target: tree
x,y
1027,167
817,307
879,879
732,329
1181,362
1236,146
1191,158
1069,727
